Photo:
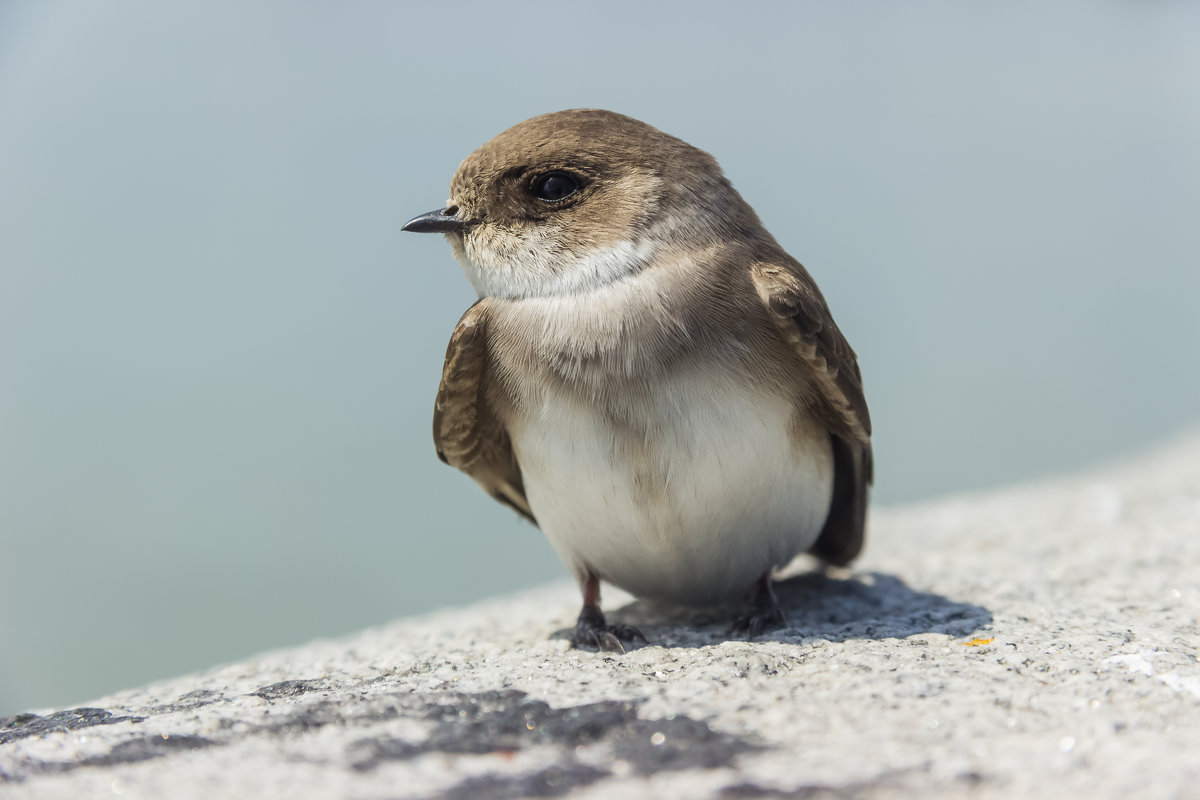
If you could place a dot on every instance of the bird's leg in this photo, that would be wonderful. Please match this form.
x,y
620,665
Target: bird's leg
x,y
591,629
764,612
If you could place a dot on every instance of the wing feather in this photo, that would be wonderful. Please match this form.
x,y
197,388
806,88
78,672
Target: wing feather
x,y
466,431
799,312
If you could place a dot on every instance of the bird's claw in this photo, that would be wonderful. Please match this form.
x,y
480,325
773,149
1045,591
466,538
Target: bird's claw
x,y
759,620
592,631
764,613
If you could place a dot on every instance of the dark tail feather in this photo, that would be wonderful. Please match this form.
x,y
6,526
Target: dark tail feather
x,y
842,537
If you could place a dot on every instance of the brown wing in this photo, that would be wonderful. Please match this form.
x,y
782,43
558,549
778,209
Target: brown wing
x,y
465,429
799,311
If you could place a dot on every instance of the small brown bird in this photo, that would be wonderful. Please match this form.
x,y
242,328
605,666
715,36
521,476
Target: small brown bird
x,y
647,375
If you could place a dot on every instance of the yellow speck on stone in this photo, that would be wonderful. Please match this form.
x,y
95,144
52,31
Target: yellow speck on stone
x,y
976,642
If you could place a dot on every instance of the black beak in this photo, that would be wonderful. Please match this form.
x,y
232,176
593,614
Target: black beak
x,y
444,220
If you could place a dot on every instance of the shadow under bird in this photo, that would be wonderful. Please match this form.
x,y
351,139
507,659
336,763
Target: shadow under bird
x,y
647,375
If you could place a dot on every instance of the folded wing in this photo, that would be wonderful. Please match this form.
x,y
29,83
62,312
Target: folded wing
x,y
465,430
799,312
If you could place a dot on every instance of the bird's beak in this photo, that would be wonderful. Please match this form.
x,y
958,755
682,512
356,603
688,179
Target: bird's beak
x,y
445,220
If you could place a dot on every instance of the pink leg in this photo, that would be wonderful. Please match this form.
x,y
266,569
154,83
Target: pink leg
x,y
592,631
591,591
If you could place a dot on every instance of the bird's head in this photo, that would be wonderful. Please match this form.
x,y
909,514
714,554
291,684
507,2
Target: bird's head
x,y
572,201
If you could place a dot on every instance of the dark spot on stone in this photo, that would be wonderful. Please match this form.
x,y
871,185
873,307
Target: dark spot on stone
x,y
893,783
131,752
751,790
521,723
498,721
189,701
17,719
366,754
550,782
456,705
328,712
456,724
288,689
197,698
679,743
508,721
149,747
24,725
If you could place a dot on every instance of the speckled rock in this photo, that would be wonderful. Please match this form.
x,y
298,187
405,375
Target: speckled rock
x,y
1035,642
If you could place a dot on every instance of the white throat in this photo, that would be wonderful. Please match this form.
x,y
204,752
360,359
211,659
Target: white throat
x,y
541,270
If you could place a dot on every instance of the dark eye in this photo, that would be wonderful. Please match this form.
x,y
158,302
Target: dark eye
x,y
554,186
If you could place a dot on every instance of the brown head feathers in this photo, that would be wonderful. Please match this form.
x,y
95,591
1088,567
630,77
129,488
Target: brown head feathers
x,y
575,198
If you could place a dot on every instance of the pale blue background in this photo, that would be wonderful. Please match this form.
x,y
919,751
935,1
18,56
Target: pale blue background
x,y
218,354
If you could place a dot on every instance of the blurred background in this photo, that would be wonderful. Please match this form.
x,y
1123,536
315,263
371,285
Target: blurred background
x,y
218,354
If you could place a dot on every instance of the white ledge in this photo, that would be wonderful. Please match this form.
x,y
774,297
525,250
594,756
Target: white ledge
x,y
1039,641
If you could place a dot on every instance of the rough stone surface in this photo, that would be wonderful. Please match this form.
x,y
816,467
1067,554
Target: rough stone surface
x,y
1035,642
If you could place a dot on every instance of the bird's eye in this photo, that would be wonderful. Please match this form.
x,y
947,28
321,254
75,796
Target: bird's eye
x,y
554,186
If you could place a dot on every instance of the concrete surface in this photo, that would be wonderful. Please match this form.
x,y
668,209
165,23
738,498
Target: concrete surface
x,y
1039,641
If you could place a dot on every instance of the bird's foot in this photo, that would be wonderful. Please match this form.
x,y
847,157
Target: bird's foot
x,y
757,621
764,613
592,631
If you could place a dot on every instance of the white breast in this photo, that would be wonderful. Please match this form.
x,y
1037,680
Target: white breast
x,y
688,494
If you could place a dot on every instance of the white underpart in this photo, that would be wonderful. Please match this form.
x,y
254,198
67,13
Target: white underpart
x,y
688,491
735,497
538,268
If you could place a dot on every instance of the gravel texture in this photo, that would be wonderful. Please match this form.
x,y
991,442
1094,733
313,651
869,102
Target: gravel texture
x,y
1039,641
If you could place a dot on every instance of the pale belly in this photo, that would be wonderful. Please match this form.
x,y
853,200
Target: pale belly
x,y
689,499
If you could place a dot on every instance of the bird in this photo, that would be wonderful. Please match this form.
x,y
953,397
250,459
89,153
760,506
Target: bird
x,y
647,375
